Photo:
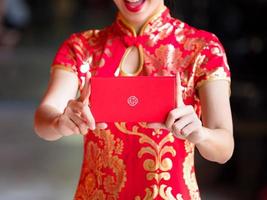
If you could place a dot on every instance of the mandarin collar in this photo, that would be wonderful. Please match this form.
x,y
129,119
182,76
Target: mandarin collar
x,y
154,21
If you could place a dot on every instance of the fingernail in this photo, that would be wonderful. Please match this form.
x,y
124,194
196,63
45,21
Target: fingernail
x,y
105,126
93,126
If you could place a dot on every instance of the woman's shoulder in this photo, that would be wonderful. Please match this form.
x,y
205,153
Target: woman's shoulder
x,y
86,37
190,32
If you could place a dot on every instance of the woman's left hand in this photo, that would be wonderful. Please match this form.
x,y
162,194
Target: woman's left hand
x,y
182,121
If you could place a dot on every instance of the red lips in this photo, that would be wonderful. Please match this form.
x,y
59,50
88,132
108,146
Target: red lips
x,y
134,5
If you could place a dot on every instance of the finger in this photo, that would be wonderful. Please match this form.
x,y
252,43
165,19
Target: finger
x,y
74,130
188,130
84,112
180,124
88,117
179,91
101,125
80,124
86,91
156,125
176,114
75,106
67,126
178,135
194,125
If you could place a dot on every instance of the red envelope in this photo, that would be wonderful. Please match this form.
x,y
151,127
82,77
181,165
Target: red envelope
x,y
132,99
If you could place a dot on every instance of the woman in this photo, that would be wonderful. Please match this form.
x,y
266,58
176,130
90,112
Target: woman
x,y
140,160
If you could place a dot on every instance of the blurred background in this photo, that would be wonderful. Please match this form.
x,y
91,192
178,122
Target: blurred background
x,y
30,34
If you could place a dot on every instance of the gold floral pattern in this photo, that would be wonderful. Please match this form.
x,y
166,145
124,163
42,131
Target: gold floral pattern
x,y
163,61
101,156
157,167
189,173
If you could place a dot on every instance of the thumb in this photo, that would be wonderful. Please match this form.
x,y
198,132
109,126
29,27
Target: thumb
x,y
86,91
179,91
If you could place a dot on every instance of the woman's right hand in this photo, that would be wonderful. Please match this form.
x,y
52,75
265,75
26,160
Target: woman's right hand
x,y
77,117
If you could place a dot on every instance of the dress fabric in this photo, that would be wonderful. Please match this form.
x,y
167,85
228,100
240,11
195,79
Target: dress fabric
x,y
128,160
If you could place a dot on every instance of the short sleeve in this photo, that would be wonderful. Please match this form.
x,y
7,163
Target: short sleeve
x,y
65,57
211,62
74,55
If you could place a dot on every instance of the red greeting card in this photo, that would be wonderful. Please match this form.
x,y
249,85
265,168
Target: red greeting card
x,y
132,99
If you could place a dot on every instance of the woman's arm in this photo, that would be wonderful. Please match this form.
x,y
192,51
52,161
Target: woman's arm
x,y
213,137
59,114
217,132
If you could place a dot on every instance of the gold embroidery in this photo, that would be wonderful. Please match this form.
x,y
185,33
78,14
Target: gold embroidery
x,y
164,61
102,62
157,132
198,61
180,32
158,31
157,166
100,45
108,52
95,183
218,74
165,194
88,34
218,50
188,171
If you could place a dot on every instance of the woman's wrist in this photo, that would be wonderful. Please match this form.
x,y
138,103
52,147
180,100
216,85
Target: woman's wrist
x,y
55,126
202,136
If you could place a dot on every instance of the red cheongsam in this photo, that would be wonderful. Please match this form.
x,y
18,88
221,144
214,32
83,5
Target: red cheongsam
x,y
129,161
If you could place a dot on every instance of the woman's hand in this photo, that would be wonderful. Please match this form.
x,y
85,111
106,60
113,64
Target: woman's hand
x,y
77,117
182,121
214,140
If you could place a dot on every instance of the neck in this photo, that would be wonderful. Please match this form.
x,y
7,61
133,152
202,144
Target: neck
x,y
138,25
